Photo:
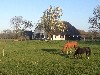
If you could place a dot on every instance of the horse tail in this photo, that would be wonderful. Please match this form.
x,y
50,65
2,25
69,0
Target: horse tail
x,y
62,50
90,52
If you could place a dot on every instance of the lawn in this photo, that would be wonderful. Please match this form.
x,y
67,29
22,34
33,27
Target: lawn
x,y
45,58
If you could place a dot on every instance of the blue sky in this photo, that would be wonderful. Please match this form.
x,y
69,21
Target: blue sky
x,y
76,12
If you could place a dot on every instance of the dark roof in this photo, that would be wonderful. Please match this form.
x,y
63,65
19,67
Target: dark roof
x,y
28,33
71,29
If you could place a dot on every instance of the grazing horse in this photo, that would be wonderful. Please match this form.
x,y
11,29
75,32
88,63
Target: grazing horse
x,y
68,46
80,51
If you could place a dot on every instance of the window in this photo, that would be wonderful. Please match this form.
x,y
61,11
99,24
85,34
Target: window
x,y
55,36
61,36
42,35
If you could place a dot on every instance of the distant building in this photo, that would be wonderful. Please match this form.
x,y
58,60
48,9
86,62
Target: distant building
x,y
39,34
71,33
42,35
28,34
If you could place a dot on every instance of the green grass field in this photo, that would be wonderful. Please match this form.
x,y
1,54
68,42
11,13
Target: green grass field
x,y
44,58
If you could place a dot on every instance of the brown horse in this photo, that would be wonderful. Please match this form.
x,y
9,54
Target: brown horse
x,y
79,51
68,46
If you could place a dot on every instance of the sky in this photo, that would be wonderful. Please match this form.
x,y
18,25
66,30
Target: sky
x,y
76,12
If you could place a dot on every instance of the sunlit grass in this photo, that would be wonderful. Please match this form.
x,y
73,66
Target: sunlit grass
x,y
44,58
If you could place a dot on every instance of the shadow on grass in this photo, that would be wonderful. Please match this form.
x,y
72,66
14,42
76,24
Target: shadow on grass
x,y
57,52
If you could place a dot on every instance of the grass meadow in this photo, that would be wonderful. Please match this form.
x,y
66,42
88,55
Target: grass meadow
x,y
45,58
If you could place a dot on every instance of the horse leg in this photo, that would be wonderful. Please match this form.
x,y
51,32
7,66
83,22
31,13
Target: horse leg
x,y
81,56
67,52
70,50
74,55
75,47
87,55
77,56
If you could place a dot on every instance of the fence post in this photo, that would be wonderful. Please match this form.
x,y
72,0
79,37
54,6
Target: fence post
x,y
3,52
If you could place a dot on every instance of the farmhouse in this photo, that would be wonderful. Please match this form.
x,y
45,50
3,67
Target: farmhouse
x,y
41,34
71,33
28,34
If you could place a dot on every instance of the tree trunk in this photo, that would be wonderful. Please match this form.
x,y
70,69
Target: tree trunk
x,y
84,38
49,35
92,38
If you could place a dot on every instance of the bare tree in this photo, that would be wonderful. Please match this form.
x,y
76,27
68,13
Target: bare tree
x,y
94,32
95,20
19,25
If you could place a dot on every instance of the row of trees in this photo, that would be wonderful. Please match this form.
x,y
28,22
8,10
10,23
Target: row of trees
x,y
9,34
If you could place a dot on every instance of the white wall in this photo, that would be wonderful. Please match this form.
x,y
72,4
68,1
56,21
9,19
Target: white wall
x,y
57,37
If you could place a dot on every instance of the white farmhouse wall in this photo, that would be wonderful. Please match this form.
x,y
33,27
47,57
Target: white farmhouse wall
x,y
58,37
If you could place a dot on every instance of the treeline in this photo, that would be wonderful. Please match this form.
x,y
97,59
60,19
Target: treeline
x,y
10,34
89,35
